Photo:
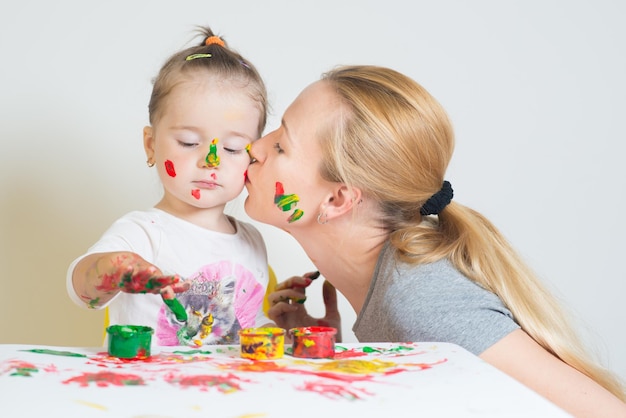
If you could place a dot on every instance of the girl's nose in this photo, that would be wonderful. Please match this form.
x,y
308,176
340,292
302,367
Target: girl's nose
x,y
212,160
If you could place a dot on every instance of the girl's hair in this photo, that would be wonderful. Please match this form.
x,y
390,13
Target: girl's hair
x,y
212,57
394,141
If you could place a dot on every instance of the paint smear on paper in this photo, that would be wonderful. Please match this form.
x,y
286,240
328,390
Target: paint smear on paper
x,y
227,383
55,352
335,390
104,379
92,405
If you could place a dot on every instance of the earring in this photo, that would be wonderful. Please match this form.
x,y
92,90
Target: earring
x,y
319,218
150,162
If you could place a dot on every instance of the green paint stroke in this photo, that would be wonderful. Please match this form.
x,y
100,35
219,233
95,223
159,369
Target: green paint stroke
x,y
93,303
212,159
177,308
297,214
24,371
184,353
55,352
285,201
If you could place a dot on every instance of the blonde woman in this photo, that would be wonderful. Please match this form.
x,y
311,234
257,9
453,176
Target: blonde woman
x,y
356,173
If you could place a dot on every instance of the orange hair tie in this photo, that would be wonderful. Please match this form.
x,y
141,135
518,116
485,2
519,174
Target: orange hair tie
x,y
214,40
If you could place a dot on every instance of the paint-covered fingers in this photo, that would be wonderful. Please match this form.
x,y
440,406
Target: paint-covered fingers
x,y
298,281
287,296
169,292
143,282
181,286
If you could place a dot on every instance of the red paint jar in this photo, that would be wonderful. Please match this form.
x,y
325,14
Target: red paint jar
x,y
313,342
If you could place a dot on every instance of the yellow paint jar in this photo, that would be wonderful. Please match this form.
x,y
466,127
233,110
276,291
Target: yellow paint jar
x,y
262,343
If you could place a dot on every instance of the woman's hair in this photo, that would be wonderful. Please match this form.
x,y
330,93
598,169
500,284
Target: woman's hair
x,y
213,58
394,141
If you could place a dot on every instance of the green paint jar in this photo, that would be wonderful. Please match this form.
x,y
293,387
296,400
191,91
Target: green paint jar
x,y
130,341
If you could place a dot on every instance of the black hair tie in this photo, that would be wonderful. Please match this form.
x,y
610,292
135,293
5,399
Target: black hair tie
x,y
438,201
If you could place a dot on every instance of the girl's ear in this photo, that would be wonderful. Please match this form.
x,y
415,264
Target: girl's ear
x,y
148,142
341,201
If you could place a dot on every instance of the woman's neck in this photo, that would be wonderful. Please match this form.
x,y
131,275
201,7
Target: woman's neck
x,y
346,255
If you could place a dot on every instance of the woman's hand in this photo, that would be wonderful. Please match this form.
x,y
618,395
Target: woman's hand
x,y
288,310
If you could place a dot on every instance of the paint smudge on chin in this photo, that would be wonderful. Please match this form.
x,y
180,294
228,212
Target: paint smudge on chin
x,y
196,193
169,167
285,201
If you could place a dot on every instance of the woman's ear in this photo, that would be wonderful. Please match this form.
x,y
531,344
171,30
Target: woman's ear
x,y
342,200
148,142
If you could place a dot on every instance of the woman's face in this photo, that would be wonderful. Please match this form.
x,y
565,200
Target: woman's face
x,y
284,186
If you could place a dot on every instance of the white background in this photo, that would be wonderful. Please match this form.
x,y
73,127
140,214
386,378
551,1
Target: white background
x,y
536,91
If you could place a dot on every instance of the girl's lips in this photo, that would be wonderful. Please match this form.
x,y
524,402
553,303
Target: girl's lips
x,y
206,184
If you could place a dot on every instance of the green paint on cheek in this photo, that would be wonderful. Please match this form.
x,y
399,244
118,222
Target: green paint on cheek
x,y
297,214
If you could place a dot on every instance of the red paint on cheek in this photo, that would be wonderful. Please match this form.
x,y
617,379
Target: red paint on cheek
x,y
169,167
196,193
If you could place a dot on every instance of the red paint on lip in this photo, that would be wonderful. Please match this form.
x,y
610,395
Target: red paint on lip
x,y
169,167
196,193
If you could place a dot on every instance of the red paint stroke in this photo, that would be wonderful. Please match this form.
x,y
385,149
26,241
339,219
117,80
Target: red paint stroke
x,y
335,391
105,379
169,167
349,354
285,202
227,383
19,368
196,193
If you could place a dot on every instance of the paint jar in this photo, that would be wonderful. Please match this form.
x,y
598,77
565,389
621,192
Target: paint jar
x,y
313,342
130,341
262,343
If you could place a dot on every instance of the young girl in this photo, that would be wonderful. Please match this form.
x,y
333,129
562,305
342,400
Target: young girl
x,y
208,104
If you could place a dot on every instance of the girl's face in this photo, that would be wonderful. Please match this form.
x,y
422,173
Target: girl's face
x,y
284,186
199,144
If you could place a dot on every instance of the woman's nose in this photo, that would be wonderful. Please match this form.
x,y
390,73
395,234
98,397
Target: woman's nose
x,y
258,150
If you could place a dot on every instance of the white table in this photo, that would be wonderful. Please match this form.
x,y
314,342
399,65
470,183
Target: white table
x,y
363,380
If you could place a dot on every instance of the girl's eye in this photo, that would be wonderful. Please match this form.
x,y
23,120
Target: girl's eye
x,y
233,151
278,148
187,144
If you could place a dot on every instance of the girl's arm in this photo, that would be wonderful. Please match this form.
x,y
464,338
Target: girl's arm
x,y
98,277
521,357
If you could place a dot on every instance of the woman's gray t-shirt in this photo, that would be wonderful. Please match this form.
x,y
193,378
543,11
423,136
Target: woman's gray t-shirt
x,y
430,303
